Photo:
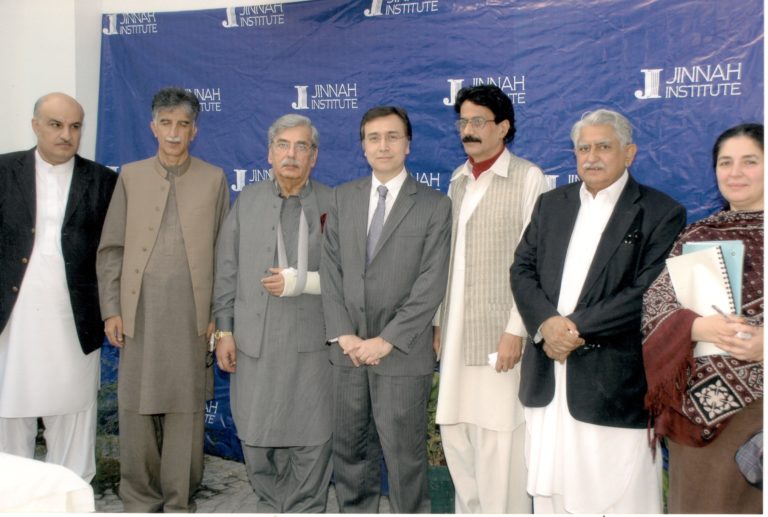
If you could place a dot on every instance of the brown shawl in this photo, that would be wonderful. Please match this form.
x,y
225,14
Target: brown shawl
x,y
692,399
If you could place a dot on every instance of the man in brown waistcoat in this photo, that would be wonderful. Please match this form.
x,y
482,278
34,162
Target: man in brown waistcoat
x,y
155,268
481,420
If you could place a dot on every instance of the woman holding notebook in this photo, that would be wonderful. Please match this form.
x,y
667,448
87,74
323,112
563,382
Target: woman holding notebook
x,y
707,401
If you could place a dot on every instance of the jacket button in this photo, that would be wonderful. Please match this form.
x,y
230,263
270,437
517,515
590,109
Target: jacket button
x,y
144,250
24,260
33,230
151,228
15,289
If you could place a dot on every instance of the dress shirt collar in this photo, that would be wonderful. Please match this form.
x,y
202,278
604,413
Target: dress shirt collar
x,y
393,186
43,166
306,189
176,170
609,195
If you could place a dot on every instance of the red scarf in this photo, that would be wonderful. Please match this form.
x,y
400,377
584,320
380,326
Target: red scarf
x,y
480,167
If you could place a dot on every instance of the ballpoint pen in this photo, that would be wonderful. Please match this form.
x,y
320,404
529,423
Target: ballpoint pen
x,y
740,335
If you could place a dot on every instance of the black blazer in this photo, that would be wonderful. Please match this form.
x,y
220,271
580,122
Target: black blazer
x,y
89,196
605,378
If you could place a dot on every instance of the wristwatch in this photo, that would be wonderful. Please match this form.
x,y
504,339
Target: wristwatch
x,y
220,334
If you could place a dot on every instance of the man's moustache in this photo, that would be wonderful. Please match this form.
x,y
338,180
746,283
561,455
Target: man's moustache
x,y
469,138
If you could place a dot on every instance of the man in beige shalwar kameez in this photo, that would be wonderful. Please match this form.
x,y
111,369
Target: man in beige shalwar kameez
x,y
155,267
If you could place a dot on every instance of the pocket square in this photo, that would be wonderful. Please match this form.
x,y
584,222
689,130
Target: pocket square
x,y
632,237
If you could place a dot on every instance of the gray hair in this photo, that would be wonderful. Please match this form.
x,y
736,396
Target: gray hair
x,y
172,97
604,117
292,120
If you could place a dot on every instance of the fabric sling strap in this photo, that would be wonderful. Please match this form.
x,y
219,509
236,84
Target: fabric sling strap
x,y
302,251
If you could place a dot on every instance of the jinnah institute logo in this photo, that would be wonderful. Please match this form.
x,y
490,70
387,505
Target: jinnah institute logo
x,y
719,80
512,85
254,16
328,96
246,176
210,98
401,7
130,23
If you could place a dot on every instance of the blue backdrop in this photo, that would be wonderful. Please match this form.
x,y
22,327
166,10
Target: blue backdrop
x,y
681,70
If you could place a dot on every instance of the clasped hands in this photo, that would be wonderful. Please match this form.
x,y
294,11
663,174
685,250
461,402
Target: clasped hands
x,y
561,337
364,351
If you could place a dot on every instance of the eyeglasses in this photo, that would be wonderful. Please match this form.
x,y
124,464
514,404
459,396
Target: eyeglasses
x,y
390,138
299,147
475,122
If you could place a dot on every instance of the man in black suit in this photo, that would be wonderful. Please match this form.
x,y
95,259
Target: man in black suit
x,y
589,253
383,274
52,207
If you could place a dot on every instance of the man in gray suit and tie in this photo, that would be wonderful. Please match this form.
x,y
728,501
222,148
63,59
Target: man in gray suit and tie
x,y
270,325
384,270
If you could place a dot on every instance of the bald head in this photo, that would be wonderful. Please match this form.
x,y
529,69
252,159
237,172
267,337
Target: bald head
x,y
57,121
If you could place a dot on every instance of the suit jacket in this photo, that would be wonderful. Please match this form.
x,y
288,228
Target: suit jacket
x,y
397,295
244,253
605,377
87,203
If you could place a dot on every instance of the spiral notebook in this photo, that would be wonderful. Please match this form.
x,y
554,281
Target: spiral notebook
x,y
733,255
700,279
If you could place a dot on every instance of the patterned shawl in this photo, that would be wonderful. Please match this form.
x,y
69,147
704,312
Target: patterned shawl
x,y
692,399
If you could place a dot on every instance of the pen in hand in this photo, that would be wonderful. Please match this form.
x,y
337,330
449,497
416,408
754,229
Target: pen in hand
x,y
740,335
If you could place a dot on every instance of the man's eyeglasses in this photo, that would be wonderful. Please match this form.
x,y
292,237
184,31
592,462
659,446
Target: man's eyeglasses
x,y
475,122
299,147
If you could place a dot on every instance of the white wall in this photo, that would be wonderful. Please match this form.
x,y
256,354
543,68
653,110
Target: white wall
x,y
55,45
37,56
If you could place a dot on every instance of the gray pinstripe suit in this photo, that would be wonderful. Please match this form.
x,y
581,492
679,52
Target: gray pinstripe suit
x,y
394,297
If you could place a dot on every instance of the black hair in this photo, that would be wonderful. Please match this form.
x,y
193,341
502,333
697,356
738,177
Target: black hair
x,y
493,98
385,111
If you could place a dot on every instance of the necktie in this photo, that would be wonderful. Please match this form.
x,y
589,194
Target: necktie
x,y
377,223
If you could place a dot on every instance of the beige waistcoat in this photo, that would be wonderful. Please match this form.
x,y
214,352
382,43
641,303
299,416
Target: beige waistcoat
x,y
492,234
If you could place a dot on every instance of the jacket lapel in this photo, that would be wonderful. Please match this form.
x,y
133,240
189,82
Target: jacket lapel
x,y
624,214
558,247
25,177
360,217
79,185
